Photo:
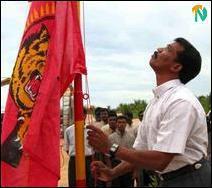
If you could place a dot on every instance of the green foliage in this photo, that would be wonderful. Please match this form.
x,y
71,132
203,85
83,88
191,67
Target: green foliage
x,y
206,102
134,107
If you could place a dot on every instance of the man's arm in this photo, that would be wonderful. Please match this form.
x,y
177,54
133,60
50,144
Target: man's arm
x,y
146,159
105,173
122,169
152,160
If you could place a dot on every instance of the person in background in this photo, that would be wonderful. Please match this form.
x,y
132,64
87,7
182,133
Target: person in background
x,y
141,115
111,126
103,114
126,139
108,130
209,134
129,116
69,147
97,114
131,127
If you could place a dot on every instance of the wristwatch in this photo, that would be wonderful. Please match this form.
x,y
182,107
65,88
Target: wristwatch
x,y
113,149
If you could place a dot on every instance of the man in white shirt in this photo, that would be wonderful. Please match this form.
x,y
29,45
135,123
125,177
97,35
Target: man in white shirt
x,y
69,147
130,125
111,126
103,113
172,138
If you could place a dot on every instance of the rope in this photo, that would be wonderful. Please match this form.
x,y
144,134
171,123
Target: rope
x,y
86,96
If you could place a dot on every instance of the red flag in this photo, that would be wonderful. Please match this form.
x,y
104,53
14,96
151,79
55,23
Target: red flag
x,y
50,54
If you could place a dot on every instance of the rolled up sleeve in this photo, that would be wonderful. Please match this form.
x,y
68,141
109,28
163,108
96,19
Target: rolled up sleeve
x,y
141,140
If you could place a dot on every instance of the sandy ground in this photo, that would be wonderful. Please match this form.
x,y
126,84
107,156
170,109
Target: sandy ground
x,y
63,182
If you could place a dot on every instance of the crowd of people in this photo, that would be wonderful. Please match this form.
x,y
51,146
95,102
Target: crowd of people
x,y
121,130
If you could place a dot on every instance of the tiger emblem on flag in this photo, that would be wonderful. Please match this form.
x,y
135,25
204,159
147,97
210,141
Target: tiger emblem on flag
x,y
24,87
29,68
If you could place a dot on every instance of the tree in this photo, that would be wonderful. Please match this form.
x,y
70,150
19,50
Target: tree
x,y
205,102
134,107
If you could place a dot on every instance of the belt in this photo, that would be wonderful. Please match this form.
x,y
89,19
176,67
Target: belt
x,y
184,170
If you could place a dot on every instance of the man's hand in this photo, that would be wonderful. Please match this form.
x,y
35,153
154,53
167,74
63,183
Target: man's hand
x,y
101,171
97,139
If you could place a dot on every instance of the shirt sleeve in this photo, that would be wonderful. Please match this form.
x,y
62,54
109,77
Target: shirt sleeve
x,y
112,138
175,127
141,140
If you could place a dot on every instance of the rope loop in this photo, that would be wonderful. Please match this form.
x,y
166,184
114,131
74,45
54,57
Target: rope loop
x,y
86,96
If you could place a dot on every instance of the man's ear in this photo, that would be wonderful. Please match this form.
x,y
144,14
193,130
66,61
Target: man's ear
x,y
176,67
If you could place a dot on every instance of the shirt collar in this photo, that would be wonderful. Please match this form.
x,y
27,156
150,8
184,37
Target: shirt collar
x,y
161,89
119,133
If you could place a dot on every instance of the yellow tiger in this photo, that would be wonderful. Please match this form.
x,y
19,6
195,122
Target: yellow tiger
x,y
27,76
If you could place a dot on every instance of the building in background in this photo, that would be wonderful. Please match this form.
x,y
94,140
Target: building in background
x,y
67,115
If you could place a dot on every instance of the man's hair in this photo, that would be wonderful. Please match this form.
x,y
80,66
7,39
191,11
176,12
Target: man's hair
x,y
85,111
190,59
112,114
121,117
129,116
97,110
103,110
140,112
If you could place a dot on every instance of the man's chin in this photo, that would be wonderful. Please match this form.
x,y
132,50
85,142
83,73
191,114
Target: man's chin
x,y
152,61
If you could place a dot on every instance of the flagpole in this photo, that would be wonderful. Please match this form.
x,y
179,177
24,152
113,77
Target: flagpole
x,y
79,128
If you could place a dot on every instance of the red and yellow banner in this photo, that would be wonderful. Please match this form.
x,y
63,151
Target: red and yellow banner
x,y
50,55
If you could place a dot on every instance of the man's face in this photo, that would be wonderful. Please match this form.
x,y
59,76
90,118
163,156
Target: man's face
x,y
112,122
121,125
104,115
97,116
164,58
140,116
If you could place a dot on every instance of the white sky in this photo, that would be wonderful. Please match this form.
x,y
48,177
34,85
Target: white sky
x,y
120,37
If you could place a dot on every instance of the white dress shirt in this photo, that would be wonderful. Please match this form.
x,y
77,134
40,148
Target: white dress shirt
x,y
133,129
107,130
174,122
69,141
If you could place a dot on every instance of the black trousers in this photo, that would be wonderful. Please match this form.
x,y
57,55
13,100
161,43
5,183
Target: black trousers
x,y
100,157
198,178
72,173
